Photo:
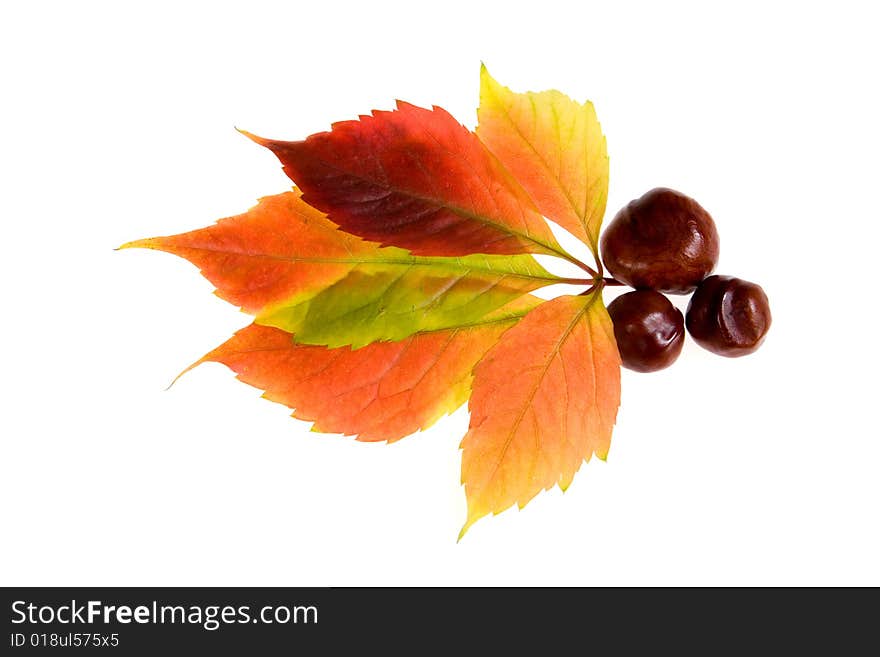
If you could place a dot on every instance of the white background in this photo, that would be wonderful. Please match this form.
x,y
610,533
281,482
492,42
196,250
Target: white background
x,y
117,123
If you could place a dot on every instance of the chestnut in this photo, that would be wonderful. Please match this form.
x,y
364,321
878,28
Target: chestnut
x,y
649,330
729,316
662,241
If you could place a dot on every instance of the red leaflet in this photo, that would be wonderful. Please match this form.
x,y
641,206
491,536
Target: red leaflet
x,y
417,179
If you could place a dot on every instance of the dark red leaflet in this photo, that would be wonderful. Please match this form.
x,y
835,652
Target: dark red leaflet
x,y
416,179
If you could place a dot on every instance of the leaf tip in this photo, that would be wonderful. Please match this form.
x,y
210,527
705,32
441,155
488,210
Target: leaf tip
x,y
490,88
254,138
204,359
464,529
475,512
184,371
149,243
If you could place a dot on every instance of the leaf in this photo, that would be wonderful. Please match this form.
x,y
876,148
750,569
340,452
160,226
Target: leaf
x,y
397,284
384,391
417,179
555,149
288,264
544,399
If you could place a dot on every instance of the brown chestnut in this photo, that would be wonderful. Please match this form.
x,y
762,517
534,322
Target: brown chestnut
x,y
729,316
649,330
662,241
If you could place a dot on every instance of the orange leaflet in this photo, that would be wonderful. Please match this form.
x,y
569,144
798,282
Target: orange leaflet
x,y
556,150
280,248
384,391
416,179
544,399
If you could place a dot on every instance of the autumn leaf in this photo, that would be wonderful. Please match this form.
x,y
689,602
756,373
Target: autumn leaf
x,y
384,391
393,284
545,399
295,270
556,150
417,179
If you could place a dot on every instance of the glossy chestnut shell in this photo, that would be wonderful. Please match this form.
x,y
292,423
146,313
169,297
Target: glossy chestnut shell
x,y
729,316
662,241
649,330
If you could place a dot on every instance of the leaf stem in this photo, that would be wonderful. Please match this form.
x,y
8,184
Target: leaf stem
x,y
596,284
577,281
592,282
582,265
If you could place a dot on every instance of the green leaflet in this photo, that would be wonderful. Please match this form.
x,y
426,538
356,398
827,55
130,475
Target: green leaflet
x,y
397,295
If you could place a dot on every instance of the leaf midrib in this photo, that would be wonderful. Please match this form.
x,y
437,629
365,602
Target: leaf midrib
x,y
447,262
